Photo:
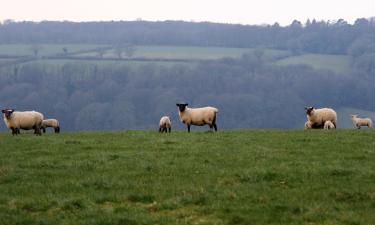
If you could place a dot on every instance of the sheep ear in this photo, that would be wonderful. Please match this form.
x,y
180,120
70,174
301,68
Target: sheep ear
x,y
305,108
186,104
3,111
177,104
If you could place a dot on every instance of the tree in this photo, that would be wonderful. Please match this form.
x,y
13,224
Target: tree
x,y
130,50
35,49
65,50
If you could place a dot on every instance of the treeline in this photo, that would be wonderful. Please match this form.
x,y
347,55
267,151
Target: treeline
x,y
248,91
313,36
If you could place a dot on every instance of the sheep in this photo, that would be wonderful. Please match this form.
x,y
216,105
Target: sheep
x,y
328,125
51,123
358,122
27,120
317,117
165,124
197,116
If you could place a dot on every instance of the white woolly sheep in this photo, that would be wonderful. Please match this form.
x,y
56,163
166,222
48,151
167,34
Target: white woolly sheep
x,y
317,117
358,122
328,125
165,124
51,123
197,116
27,120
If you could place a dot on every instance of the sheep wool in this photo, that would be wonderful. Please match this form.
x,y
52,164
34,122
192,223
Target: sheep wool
x,y
358,122
317,117
54,123
27,120
165,124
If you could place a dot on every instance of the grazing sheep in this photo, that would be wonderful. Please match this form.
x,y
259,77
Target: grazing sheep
x,y
358,122
317,117
165,124
16,120
51,123
197,116
328,125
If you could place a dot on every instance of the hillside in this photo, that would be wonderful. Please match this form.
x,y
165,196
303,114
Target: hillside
x,y
229,177
336,63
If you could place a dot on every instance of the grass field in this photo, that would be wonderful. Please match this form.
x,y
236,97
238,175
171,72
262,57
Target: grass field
x,y
229,177
336,63
45,49
191,52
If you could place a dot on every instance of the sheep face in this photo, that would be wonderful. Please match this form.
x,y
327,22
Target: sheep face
x,y
309,110
7,112
181,106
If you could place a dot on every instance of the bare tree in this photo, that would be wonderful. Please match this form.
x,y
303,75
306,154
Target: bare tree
x,y
65,50
101,51
119,50
130,50
35,49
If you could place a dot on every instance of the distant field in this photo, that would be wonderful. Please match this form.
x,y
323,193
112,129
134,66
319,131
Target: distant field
x,y
336,63
178,52
229,177
45,49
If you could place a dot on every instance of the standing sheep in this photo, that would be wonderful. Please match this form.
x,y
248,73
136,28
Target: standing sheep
x,y
317,117
358,122
16,120
165,124
197,116
328,125
51,123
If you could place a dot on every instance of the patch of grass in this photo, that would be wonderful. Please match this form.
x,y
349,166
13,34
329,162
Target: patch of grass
x,y
336,63
228,177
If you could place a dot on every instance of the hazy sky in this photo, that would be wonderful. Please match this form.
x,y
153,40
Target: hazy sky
x,y
225,11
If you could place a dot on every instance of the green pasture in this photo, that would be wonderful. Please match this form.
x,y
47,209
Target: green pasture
x,y
336,63
228,177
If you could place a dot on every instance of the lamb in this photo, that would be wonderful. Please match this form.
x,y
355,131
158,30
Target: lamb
x,y
317,117
328,125
27,120
358,122
51,123
197,116
165,124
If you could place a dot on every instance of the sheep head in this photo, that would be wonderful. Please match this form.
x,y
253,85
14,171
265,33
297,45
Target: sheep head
x,y
309,110
7,112
181,106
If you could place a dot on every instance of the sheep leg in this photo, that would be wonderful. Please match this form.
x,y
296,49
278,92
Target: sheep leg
x,y
38,131
169,129
188,126
44,130
215,126
14,131
57,129
214,122
160,129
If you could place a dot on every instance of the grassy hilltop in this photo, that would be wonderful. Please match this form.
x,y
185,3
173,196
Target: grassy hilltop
x,y
229,177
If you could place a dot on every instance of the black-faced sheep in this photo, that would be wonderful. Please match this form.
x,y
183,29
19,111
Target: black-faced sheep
x,y
317,117
358,122
165,124
197,116
51,123
27,120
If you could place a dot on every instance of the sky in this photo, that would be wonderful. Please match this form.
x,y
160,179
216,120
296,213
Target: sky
x,y
222,11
